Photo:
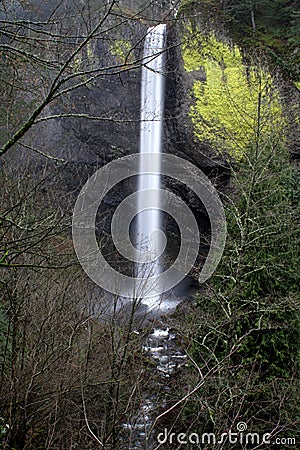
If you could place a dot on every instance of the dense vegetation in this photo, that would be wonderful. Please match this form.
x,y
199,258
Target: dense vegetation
x,y
247,327
245,339
270,25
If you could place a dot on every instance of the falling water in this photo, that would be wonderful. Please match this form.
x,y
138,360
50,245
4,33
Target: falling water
x,y
160,345
152,108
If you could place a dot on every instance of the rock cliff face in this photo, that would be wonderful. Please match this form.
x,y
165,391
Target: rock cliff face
x,y
180,136
113,102
117,96
210,89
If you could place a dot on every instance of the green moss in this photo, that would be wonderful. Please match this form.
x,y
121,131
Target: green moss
x,y
201,49
185,6
226,112
121,49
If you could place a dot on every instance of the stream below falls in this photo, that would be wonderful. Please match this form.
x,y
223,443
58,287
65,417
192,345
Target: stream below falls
x,y
162,348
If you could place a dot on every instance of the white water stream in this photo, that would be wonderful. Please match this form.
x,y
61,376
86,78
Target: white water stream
x,y
152,109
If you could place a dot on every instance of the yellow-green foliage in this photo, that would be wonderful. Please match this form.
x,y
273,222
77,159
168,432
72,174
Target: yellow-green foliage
x,y
89,51
77,62
80,62
226,107
121,49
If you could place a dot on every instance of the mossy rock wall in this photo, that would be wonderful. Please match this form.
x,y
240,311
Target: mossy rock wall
x,y
225,96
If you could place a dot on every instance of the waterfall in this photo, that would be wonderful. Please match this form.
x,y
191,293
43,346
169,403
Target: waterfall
x,y
152,108
160,345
